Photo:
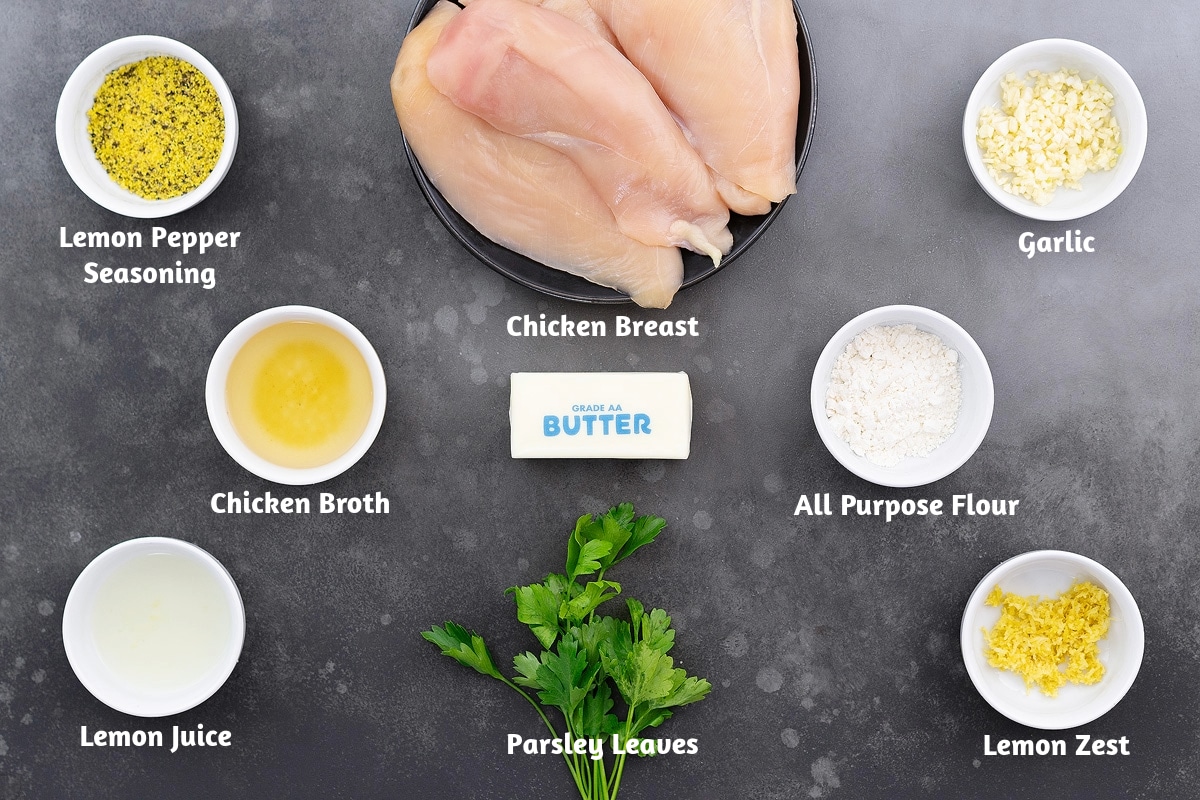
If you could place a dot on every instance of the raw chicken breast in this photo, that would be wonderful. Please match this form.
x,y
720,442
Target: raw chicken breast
x,y
536,74
579,11
729,71
521,194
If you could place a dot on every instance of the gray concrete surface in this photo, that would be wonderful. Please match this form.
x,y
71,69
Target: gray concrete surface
x,y
832,644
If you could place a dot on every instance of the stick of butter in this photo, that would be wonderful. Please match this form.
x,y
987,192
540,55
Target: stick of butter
x,y
600,414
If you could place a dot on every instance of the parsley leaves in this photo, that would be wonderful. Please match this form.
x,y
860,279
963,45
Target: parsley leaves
x,y
585,656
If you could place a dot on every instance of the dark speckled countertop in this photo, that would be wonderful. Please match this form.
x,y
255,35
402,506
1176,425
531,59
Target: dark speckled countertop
x,y
831,643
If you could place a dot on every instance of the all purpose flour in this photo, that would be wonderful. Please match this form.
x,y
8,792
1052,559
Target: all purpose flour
x,y
894,391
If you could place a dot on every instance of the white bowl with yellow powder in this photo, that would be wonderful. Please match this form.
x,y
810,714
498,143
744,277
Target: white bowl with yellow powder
x,y
296,394
132,150
1046,575
153,626
1030,152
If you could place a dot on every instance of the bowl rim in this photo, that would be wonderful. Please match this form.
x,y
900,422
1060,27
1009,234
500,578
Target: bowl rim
x,y
87,668
77,155
218,413
925,319
1131,157
1118,592
564,285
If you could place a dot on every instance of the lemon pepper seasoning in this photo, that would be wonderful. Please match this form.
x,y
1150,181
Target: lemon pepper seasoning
x,y
157,127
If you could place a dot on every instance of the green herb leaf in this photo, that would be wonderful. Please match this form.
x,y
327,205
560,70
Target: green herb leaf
x,y
614,528
467,648
641,674
576,540
652,673
538,605
636,611
622,514
646,717
526,665
587,558
619,528
645,530
654,629
595,593
560,585
684,690
565,677
594,719
592,635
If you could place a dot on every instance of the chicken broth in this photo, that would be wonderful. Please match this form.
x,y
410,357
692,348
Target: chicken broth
x,y
299,394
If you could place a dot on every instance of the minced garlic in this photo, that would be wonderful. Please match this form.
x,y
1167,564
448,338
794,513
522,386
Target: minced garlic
x,y
157,127
1049,642
1049,134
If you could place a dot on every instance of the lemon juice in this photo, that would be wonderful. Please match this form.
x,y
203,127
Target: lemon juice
x,y
161,622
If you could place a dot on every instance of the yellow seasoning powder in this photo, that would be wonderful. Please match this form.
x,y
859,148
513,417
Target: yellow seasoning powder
x,y
157,127
1049,642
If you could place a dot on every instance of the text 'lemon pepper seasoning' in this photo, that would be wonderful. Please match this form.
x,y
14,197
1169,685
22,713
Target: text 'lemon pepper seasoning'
x,y
157,127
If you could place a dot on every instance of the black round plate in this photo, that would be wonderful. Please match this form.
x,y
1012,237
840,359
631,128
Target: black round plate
x,y
696,267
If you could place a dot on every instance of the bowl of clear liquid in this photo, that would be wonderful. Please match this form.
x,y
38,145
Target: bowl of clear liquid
x,y
153,626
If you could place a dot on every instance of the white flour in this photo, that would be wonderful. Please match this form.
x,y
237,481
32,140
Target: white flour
x,y
894,391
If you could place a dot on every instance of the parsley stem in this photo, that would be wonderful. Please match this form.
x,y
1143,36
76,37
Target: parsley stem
x,y
570,764
601,777
585,777
619,767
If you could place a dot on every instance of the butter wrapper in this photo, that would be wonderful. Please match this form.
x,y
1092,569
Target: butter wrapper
x,y
600,415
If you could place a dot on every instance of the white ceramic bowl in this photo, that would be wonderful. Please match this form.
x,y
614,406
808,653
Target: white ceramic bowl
x,y
75,146
974,417
1047,55
218,411
1049,573
89,667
